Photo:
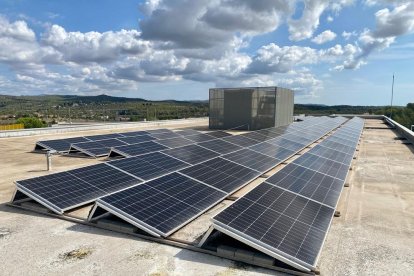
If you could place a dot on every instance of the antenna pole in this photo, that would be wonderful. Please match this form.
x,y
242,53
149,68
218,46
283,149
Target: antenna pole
x,y
392,94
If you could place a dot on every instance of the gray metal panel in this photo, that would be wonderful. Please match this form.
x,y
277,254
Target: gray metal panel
x,y
250,108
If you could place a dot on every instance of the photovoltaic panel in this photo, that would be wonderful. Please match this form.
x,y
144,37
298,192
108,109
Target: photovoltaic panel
x,y
186,132
60,145
220,146
218,134
138,149
175,142
331,154
221,174
240,141
191,154
136,139
163,205
286,143
99,144
149,166
308,183
104,136
252,160
338,146
200,138
66,190
134,133
273,151
288,226
166,135
97,152
323,165
256,136
160,130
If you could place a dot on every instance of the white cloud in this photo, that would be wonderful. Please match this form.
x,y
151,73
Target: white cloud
x,y
329,19
397,22
324,37
348,35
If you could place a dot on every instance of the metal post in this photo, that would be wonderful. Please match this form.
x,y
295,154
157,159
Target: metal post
x,y
49,160
392,94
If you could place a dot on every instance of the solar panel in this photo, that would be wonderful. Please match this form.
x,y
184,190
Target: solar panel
x,y
252,160
191,154
284,225
187,132
221,174
323,165
60,145
331,154
273,151
134,133
67,190
286,143
175,142
308,183
200,138
96,148
160,130
138,149
218,134
338,146
104,136
163,205
256,136
240,141
166,135
136,139
220,146
149,166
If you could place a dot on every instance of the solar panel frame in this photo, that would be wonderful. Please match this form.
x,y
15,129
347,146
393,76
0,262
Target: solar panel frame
x,y
191,154
149,166
82,180
218,134
252,159
136,139
221,174
220,146
196,190
103,136
175,142
139,149
240,141
201,137
269,205
60,145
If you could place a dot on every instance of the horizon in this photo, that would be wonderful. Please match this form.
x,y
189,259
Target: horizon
x,y
329,52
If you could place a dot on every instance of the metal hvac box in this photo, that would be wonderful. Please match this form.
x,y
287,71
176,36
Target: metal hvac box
x,y
250,108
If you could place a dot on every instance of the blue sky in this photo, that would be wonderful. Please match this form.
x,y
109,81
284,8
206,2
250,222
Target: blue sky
x,y
329,52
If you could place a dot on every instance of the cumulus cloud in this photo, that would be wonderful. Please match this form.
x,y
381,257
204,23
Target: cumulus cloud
x,y
324,37
389,25
93,46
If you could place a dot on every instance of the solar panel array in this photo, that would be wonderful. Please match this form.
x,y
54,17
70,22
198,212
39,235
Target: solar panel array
x,y
202,163
288,216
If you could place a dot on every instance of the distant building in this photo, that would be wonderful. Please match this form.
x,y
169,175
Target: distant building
x,y
250,108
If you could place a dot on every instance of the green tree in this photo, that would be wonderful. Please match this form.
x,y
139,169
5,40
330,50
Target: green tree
x,y
31,122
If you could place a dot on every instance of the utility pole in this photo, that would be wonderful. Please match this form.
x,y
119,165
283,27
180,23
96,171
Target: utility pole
x,y
392,94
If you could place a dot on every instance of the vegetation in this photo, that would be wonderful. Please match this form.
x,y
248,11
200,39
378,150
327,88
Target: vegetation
x,y
404,115
31,122
54,108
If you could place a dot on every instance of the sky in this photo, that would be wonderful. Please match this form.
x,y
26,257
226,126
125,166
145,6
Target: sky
x,y
328,52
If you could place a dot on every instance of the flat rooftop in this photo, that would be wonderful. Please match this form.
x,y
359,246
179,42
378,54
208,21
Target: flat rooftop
x,y
373,235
